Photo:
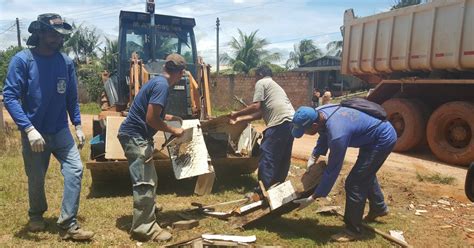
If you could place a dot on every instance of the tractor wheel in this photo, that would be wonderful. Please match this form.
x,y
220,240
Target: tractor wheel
x,y
450,133
406,117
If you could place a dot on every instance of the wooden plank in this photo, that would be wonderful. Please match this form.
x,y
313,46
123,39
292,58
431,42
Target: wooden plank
x,y
191,158
281,194
204,184
265,212
113,149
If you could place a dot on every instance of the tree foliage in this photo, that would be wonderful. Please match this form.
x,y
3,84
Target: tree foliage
x,y
248,52
5,57
302,53
110,55
398,4
82,43
334,48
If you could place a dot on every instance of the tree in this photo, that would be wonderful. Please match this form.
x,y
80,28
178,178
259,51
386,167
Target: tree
x,y
83,43
248,52
302,53
334,48
109,58
5,57
404,3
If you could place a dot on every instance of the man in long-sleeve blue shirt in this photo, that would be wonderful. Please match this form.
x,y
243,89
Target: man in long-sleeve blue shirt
x,y
340,128
40,91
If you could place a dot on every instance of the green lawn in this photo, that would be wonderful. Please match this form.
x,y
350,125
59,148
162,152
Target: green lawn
x,y
91,108
107,211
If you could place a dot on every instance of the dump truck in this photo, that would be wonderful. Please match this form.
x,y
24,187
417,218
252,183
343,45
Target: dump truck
x,y
421,61
145,39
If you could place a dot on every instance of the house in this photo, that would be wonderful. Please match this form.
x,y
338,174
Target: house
x,y
326,72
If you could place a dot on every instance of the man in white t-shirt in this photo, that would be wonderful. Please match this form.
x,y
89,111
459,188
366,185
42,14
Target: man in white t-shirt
x,y
270,102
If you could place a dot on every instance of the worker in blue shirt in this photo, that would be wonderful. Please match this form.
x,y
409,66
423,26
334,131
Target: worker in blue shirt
x,y
340,128
146,117
40,91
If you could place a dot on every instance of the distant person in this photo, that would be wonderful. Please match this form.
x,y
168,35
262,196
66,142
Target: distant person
x,y
327,96
315,97
340,128
145,118
271,102
40,91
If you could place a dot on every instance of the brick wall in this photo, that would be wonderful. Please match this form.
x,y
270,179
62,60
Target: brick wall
x,y
223,88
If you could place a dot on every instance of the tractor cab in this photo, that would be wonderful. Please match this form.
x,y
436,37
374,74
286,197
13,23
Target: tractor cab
x,y
148,42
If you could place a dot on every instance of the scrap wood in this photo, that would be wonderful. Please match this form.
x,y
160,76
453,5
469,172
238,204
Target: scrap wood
x,y
234,238
199,205
402,243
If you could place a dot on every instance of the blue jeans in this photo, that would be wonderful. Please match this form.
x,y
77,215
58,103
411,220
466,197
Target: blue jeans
x,y
139,153
64,149
275,157
362,184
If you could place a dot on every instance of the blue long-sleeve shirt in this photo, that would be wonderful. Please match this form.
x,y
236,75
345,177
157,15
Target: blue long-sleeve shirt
x,y
348,127
40,91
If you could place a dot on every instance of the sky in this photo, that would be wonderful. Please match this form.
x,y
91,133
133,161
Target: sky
x,y
282,23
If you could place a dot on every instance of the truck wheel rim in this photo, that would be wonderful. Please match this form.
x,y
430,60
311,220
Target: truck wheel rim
x,y
458,133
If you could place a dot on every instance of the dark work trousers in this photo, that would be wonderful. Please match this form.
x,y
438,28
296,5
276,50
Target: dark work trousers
x,y
362,184
275,157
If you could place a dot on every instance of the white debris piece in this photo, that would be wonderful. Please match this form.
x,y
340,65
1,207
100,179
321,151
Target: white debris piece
x,y
234,238
444,202
420,211
411,206
398,235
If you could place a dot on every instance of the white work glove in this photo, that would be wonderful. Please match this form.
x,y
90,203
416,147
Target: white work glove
x,y
81,138
311,161
304,202
36,140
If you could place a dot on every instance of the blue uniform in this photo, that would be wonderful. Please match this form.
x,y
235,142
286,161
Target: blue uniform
x,y
348,127
156,91
40,90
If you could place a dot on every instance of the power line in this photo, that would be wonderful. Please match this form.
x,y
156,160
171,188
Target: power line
x,y
8,29
247,7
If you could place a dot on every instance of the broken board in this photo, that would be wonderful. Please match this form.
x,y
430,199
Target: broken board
x,y
265,211
190,158
113,148
281,194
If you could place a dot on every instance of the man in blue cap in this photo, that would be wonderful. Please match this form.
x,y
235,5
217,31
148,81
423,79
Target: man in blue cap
x,y
339,128
40,91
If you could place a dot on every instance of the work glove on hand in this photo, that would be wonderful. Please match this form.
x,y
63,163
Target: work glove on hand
x,y
81,138
311,161
304,202
36,140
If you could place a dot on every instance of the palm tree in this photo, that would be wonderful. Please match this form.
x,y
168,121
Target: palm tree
x,y
109,58
248,52
404,3
303,52
83,43
334,48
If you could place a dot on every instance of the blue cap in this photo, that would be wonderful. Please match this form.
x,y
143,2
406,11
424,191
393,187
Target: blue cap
x,y
303,119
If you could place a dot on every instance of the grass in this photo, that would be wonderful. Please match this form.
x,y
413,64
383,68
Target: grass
x,y
435,178
91,108
108,211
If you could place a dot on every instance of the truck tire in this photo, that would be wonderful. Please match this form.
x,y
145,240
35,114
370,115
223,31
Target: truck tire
x,y
407,118
450,132
469,186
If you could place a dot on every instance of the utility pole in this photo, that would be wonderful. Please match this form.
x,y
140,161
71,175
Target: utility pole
x,y
18,31
217,45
